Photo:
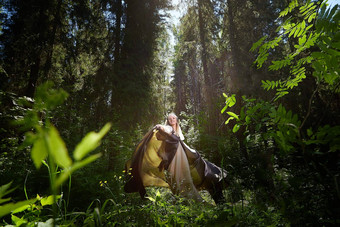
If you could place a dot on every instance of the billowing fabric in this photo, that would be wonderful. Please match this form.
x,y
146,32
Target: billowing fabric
x,y
163,160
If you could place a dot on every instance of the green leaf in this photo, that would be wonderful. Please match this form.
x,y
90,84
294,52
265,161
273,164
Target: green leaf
x,y
302,40
47,223
48,200
302,31
4,200
224,109
18,221
292,31
151,199
9,207
21,209
38,152
229,119
248,119
242,113
48,98
258,43
335,45
330,78
261,59
90,142
233,115
318,55
311,7
309,132
236,128
297,31
265,84
292,5
58,149
4,189
311,17
318,66
230,101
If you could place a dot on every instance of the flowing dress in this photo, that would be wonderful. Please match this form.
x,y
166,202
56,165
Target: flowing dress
x,y
162,159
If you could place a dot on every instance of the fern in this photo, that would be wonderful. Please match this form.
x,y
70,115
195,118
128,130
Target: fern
x,y
258,43
287,125
324,33
276,65
306,8
270,84
292,5
263,51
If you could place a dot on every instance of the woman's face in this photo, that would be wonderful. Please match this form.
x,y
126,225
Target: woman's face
x,y
172,120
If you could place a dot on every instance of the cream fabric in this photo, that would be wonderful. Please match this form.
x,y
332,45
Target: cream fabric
x,y
181,182
180,179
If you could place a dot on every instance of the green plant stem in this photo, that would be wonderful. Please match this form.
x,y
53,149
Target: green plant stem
x,y
52,173
69,190
309,108
108,188
25,185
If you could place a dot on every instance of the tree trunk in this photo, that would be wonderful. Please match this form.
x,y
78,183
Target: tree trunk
x,y
202,41
35,67
119,13
52,39
117,51
233,43
207,78
32,82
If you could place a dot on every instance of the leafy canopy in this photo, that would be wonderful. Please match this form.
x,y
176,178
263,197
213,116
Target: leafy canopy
x,y
315,35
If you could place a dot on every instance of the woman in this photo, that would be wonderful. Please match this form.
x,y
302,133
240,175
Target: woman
x,y
163,159
172,126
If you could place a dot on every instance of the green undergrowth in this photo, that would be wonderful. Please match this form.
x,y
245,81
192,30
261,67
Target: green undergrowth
x,y
159,208
162,208
83,192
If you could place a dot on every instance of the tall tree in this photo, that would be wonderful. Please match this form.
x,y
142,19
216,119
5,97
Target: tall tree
x,y
213,49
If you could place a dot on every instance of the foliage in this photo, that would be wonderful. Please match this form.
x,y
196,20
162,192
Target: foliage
x,y
187,122
162,207
48,145
315,25
9,207
31,208
46,141
106,56
288,152
230,101
112,58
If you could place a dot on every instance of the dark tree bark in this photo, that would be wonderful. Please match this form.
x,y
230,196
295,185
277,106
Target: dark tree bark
x,y
32,82
203,44
56,23
40,31
205,64
233,43
117,47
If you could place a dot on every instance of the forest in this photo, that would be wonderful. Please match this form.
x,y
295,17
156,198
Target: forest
x,y
255,85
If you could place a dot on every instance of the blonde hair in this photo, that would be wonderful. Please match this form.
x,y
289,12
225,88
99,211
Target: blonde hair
x,y
178,130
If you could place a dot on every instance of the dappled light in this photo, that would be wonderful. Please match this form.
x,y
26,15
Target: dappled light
x,y
169,113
